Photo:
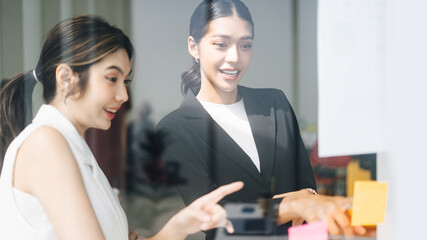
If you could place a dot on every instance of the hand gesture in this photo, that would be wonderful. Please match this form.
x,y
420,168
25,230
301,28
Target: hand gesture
x,y
205,213
311,208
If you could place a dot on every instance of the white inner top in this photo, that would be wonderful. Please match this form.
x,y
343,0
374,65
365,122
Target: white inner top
x,y
233,119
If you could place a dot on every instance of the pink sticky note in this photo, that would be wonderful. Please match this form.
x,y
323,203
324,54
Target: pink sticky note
x,y
311,231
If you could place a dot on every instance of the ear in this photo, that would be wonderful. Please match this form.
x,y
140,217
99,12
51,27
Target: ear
x,y
65,77
193,47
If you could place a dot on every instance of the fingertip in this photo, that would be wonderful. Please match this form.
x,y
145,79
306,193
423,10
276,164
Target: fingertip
x,y
278,196
239,184
360,230
229,227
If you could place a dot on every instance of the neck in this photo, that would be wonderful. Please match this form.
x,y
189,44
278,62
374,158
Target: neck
x,y
66,111
215,95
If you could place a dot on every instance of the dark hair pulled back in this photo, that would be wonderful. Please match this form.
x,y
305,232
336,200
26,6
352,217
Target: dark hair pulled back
x,y
205,12
79,42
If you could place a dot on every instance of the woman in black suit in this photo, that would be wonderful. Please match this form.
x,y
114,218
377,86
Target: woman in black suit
x,y
224,132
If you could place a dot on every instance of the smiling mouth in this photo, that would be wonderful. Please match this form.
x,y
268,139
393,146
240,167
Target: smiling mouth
x,y
111,113
111,110
231,73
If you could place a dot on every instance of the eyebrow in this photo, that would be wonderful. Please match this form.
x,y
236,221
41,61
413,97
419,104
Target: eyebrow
x,y
119,70
228,37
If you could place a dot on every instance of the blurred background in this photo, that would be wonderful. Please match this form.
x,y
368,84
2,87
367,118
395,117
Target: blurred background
x,y
285,57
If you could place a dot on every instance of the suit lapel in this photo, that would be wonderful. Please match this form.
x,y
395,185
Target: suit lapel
x,y
261,115
221,144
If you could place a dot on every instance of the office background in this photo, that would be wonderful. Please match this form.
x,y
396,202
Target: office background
x,y
284,47
284,57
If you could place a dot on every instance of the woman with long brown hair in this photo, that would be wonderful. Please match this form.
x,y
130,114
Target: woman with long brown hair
x,y
51,186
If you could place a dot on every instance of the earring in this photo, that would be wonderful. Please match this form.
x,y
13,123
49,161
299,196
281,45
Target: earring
x,y
197,60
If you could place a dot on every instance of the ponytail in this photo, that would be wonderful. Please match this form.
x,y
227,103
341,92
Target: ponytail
x,y
190,78
15,108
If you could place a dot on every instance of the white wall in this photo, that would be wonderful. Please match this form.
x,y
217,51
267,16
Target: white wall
x,y
402,158
404,163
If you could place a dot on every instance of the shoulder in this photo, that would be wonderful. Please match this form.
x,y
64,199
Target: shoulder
x,y
43,153
45,140
250,90
171,119
274,93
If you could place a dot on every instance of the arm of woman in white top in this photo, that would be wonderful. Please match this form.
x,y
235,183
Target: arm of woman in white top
x,y
46,168
203,214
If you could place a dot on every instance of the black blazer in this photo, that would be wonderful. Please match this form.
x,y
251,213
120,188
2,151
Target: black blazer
x,y
206,157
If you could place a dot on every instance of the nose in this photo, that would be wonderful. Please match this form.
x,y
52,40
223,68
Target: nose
x,y
121,94
232,54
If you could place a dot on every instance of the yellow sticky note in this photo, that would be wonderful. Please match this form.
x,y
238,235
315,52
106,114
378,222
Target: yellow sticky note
x,y
369,202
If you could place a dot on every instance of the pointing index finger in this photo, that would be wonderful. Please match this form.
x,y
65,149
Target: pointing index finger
x,y
216,195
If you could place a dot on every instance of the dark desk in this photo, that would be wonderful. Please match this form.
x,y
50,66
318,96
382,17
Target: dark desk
x,y
240,210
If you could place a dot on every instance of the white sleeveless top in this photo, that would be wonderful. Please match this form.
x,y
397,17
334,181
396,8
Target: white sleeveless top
x,y
21,214
234,120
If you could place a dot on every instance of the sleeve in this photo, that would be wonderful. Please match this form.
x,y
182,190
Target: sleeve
x,y
185,163
304,172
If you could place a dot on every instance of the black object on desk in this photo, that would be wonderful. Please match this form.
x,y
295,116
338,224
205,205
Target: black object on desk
x,y
251,219
257,226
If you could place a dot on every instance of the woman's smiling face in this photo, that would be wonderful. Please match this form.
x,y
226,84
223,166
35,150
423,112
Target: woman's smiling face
x,y
224,52
105,93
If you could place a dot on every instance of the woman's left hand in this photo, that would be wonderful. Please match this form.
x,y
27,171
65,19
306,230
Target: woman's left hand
x,y
311,208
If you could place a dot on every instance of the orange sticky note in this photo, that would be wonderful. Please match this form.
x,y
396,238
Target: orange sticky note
x,y
311,231
369,202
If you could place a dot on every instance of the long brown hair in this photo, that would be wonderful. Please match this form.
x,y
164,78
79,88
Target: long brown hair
x,y
80,42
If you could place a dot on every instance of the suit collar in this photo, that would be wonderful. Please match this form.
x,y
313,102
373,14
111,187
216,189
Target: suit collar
x,y
250,95
192,108
261,118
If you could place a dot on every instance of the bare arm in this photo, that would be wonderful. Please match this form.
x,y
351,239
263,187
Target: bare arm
x,y
46,168
203,214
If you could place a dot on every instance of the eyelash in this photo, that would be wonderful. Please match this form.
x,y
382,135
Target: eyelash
x,y
244,46
221,45
247,45
112,79
126,81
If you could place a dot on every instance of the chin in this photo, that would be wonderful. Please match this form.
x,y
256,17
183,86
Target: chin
x,y
230,89
105,126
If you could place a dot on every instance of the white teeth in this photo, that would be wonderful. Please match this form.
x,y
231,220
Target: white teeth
x,y
230,73
110,110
